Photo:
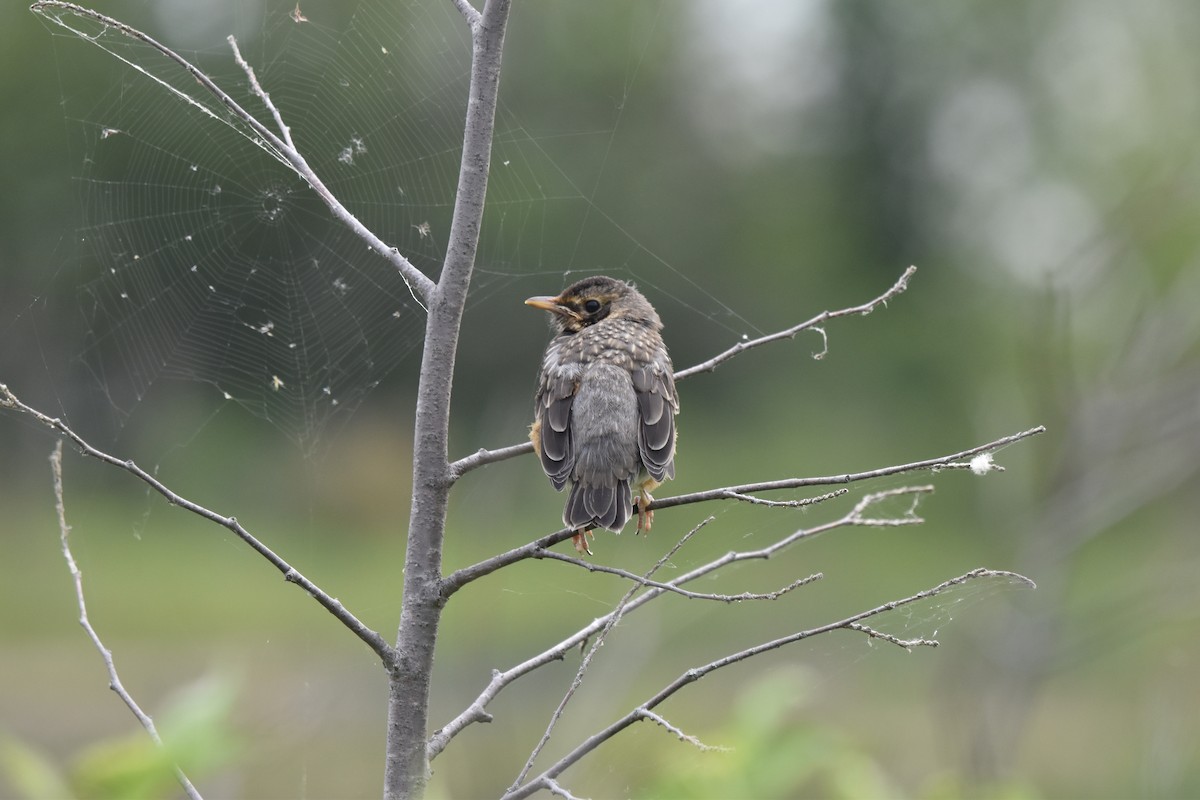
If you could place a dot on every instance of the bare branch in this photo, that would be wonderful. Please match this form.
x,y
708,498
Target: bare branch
x,y
724,598
476,711
907,644
470,14
261,93
614,618
696,673
910,517
456,580
790,333
290,573
114,679
934,464
421,287
461,577
484,457
808,501
552,786
679,734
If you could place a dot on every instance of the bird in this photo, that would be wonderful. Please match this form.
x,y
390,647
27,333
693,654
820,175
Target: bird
x,y
605,405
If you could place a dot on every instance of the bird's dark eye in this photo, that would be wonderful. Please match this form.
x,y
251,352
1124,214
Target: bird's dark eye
x,y
591,306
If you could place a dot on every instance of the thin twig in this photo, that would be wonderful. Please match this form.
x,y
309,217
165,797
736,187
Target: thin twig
x,y
420,285
460,578
696,673
476,711
613,619
907,644
934,464
553,787
790,333
469,12
858,516
808,501
484,457
645,581
114,679
290,573
261,93
679,734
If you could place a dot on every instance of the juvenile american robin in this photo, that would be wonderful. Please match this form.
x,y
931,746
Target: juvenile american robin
x,y
604,412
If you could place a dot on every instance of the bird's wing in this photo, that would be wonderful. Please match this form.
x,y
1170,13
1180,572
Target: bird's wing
x,y
553,411
657,406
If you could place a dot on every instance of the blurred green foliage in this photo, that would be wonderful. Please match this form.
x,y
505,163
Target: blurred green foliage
x,y
197,736
775,752
749,167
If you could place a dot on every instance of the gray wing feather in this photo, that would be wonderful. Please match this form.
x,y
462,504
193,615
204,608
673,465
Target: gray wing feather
x,y
657,404
553,402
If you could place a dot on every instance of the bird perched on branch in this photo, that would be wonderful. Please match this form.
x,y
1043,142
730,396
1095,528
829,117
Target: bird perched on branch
x,y
604,412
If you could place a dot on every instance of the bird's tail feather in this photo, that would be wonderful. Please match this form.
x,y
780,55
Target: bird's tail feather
x,y
598,506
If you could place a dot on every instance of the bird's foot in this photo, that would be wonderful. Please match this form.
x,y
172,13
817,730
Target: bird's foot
x,y
645,515
580,539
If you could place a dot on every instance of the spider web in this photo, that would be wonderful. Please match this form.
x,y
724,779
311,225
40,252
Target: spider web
x,y
206,258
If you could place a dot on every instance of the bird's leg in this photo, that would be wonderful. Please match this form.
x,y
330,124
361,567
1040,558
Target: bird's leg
x,y
580,539
645,516
642,501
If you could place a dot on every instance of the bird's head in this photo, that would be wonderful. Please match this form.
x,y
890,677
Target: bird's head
x,y
593,299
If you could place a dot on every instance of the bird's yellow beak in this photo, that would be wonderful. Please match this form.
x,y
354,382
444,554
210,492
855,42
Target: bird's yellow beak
x,y
547,303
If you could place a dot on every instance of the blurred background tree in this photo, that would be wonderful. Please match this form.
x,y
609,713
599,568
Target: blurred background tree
x,y
747,166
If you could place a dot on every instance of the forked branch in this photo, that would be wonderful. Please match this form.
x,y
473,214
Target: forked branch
x,y
469,12
856,517
613,619
960,460
646,581
462,577
645,709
